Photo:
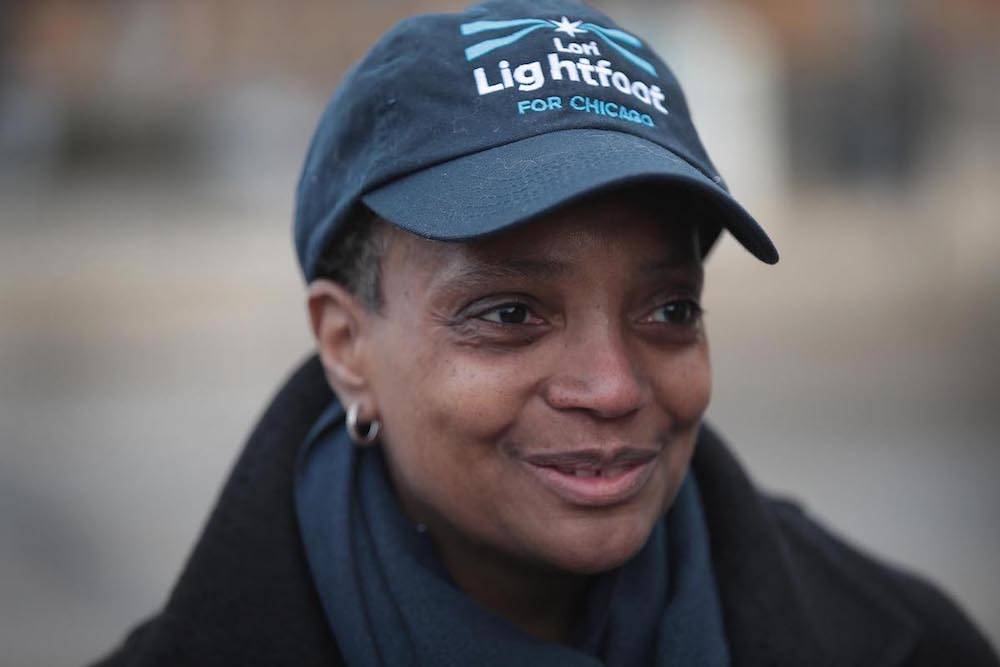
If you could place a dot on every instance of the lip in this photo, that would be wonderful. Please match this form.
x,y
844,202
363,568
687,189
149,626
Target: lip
x,y
622,475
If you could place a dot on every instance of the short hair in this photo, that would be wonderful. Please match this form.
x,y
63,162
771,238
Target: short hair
x,y
353,259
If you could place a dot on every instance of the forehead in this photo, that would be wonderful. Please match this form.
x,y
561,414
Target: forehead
x,y
622,229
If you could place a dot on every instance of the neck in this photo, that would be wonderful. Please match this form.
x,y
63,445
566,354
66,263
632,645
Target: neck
x,y
541,602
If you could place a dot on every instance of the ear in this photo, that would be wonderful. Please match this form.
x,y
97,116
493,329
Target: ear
x,y
340,324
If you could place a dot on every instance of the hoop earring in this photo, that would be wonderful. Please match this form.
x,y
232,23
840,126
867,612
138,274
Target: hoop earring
x,y
359,438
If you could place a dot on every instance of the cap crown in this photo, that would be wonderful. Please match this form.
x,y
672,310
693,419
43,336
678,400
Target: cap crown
x,y
440,86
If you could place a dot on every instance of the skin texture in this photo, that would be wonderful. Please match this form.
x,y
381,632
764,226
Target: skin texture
x,y
578,332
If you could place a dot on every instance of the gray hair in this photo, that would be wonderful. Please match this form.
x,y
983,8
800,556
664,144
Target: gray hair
x,y
354,257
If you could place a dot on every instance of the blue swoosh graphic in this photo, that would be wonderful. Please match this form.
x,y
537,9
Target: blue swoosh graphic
x,y
481,48
606,35
479,26
622,35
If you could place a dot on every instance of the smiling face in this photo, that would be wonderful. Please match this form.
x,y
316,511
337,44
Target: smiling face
x,y
540,391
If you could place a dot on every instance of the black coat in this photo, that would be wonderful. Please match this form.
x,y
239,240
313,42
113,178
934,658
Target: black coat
x,y
792,593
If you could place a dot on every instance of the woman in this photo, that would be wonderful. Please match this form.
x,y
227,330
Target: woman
x,y
502,220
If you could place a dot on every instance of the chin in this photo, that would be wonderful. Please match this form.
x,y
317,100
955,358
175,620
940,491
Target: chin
x,y
600,545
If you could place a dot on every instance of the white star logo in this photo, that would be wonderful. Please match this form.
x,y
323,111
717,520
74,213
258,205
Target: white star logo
x,y
571,28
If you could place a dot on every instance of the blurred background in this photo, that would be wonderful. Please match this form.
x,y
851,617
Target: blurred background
x,y
150,302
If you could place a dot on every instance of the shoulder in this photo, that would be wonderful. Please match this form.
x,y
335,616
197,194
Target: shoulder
x,y
945,635
245,596
794,592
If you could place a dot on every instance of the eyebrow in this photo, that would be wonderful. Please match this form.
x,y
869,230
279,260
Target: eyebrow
x,y
539,270
514,269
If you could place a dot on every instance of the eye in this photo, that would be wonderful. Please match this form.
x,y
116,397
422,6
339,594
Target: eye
x,y
682,312
510,313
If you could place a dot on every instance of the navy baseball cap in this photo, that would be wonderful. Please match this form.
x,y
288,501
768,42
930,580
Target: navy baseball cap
x,y
455,126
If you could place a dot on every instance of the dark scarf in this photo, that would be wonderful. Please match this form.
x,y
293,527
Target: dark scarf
x,y
389,600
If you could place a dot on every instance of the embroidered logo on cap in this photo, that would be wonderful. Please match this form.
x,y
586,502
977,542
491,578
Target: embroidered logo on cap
x,y
530,76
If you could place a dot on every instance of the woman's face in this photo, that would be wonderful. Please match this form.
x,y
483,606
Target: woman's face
x,y
541,390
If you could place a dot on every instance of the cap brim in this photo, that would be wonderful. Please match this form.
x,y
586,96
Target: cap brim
x,y
485,192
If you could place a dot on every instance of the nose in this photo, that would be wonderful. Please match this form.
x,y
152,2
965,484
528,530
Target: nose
x,y
597,374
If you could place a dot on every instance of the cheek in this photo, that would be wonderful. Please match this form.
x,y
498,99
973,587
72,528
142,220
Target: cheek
x,y
683,386
683,390
465,394
443,410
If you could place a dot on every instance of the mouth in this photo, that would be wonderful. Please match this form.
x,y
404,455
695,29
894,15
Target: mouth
x,y
589,478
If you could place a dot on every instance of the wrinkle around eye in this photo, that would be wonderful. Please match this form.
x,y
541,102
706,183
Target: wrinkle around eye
x,y
495,337
472,328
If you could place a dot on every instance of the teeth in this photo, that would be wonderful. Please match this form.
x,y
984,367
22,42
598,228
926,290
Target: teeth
x,y
586,473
